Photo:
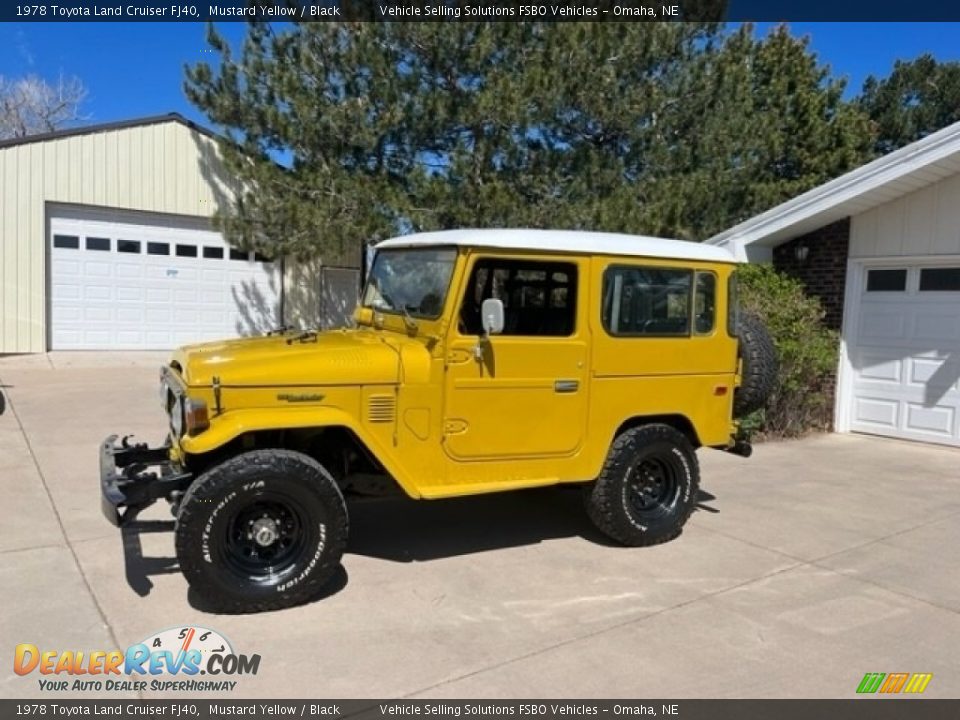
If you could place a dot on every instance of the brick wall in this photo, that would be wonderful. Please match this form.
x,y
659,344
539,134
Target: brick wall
x,y
824,272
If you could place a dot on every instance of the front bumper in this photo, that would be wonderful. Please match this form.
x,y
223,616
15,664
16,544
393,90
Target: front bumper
x,y
134,476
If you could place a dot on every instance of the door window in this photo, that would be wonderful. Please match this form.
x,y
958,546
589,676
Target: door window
x,y
539,298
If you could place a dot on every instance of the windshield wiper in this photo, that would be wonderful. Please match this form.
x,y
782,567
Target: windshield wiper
x,y
409,323
281,330
305,336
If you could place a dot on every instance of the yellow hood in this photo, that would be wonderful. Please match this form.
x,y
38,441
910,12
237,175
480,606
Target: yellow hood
x,y
335,357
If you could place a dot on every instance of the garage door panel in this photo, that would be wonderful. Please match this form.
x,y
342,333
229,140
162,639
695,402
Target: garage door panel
x,y
96,314
158,316
186,275
129,294
939,419
158,338
130,338
130,315
63,292
97,292
164,291
881,324
905,364
937,327
924,370
128,271
66,338
96,269
159,295
65,268
66,314
879,412
878,367
160,273
96,338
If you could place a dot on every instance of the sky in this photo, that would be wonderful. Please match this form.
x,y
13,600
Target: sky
x,y
136,69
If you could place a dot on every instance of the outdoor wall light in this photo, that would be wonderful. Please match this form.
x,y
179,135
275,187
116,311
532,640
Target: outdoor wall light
x,y
800,252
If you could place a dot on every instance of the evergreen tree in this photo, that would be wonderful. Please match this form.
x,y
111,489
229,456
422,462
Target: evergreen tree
x,y
340,133
761,122
919,97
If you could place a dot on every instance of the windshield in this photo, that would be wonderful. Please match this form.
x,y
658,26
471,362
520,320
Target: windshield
x,y
410,281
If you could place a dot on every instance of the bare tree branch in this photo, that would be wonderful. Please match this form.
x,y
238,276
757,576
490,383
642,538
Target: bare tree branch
x,y
30,105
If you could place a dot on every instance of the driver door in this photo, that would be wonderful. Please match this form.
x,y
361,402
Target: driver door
x,y
521,393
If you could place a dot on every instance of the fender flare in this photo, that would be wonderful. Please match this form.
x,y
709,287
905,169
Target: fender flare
x,y
235,423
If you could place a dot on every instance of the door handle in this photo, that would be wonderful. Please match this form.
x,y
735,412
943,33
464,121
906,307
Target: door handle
x,y
566,386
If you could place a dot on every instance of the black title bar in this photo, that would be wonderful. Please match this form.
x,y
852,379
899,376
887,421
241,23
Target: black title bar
x,y
474,10
874,708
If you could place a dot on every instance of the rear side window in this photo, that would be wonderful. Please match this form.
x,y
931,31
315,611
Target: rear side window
x,y
646,301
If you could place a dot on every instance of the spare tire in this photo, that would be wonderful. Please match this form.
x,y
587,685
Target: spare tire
x,y
759,370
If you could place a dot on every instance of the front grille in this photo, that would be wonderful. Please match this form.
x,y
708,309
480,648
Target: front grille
x,y
381,408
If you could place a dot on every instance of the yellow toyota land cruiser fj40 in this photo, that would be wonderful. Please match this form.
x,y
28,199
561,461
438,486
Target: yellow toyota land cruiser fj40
x,y
481,360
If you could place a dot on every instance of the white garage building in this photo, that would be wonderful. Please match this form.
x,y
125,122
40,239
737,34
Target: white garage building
x,y
106,243
881,247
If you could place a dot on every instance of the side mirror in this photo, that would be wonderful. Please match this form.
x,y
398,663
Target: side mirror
x,y
491,315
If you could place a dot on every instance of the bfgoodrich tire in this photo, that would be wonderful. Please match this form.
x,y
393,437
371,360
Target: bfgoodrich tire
x,y
647,488
262,531
759,369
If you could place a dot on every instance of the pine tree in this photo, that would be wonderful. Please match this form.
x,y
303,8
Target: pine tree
x,y
919,97
341,134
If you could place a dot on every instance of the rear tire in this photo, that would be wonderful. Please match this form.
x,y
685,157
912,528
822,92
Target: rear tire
x,y
647,488
262,531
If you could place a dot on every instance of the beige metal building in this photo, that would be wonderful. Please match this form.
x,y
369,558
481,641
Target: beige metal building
x,y
106,243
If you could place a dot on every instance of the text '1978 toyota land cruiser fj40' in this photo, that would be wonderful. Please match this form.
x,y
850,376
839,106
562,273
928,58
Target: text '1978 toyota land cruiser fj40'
x,y
481,360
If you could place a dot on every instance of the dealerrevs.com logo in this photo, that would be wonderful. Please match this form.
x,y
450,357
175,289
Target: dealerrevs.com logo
x,y
170,660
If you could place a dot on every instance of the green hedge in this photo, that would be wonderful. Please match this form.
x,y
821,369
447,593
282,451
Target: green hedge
x,y
802,400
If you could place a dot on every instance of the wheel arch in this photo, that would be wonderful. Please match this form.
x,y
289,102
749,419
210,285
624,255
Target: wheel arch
x,y
324,437
677,421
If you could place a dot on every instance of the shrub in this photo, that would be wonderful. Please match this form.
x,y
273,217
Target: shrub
x,y
802,399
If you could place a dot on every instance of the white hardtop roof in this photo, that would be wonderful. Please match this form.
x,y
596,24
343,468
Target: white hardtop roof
x,y
903,171
565,241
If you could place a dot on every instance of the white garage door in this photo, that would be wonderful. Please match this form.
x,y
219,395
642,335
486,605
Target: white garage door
x,y
118,282
905,356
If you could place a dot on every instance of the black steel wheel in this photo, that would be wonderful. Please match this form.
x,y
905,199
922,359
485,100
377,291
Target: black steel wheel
x,y
652,486
647,488
261,531
266,539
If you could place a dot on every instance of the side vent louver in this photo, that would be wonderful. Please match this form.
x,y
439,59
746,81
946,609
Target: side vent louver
x,y
381,408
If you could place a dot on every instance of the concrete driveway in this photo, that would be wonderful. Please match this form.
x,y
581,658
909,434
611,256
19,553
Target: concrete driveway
x,y
805,567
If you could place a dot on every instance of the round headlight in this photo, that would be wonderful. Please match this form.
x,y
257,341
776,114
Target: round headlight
x,y
176,417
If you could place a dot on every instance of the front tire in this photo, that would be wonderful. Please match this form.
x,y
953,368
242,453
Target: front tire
x,y
262,531
647,488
